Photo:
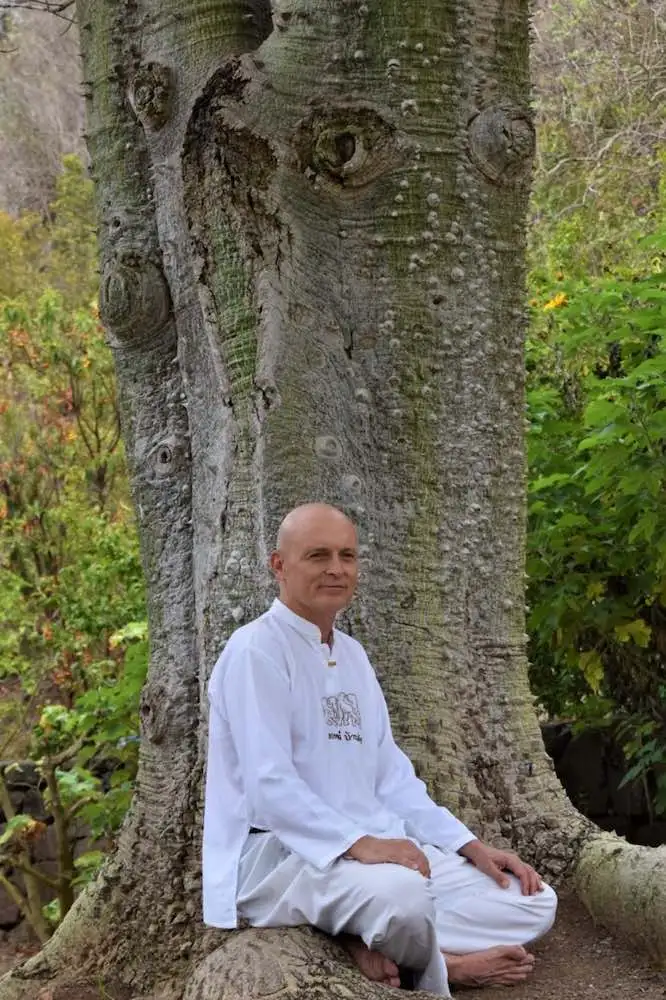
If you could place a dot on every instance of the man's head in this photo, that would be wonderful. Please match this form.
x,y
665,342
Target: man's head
x,y
316,561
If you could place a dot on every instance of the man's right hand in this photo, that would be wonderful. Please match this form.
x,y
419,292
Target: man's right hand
x,y
382,850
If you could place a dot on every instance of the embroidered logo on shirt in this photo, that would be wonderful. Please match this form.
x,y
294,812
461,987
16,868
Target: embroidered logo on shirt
x,y
342,710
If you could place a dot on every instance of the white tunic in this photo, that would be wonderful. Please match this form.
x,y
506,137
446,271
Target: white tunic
x,y
300,744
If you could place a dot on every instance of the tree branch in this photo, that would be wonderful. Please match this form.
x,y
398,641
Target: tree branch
x,y
65,857
74,809
47,6
61,758
27,869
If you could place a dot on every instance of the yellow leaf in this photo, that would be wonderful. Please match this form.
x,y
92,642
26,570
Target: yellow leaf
x,y
592,669
637,631
594,590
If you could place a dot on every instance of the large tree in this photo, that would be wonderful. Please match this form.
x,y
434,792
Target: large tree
x,y
312,224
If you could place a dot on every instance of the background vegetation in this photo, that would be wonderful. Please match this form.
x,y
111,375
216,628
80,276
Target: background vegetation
x,y
73,647
596,362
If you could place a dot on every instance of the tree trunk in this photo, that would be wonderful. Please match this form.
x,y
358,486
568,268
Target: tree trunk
x,y
312,276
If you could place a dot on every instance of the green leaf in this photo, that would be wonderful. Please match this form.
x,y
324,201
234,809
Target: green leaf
x,y
51,912
129,632
17,825
601,412
645,527
593,669
637,631
89,861
545,482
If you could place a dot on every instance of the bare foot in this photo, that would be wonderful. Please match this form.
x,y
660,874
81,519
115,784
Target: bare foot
x,y
372,964
504,965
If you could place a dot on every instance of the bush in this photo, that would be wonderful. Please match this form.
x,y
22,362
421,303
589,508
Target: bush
x,y
597,518
73,650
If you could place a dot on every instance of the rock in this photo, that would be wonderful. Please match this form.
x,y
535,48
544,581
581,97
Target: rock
x,y
20,774
556,738
591,766
10,915
651,834
582,771
33,804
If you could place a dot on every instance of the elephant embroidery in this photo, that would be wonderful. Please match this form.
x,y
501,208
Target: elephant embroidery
x,y
342,710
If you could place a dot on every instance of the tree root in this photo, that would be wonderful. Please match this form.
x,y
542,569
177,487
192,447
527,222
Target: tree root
x,y
66,953
622,885
294,964
624,888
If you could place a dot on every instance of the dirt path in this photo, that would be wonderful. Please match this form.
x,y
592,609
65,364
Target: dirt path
x,y
578,961
575,962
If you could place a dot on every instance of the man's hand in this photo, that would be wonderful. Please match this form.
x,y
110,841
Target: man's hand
x,y
494,862
382,850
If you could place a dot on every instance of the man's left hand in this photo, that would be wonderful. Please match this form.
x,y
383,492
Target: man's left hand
x,y
494,862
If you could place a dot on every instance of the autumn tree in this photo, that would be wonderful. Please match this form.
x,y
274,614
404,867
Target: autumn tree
x,y
312,227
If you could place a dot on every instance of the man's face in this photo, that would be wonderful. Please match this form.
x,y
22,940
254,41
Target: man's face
x,y
317,564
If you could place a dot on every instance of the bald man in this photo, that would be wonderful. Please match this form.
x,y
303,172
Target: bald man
x,y
314,816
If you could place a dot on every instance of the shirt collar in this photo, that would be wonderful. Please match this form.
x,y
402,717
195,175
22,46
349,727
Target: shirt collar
x,y
302,625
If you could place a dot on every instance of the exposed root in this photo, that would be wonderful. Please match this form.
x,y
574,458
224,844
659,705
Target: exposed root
x,y
624,888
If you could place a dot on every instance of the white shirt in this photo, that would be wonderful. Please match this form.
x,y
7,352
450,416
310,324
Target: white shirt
x,y
300,744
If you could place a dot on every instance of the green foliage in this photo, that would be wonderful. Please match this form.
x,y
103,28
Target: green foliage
x,y
58,252
645,747
103,724
70,574
72,258
22,245
87,865
16,828
597,545
73,649
87,756
596,367
52,912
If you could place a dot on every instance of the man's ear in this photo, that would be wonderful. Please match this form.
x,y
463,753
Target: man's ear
x,y
276,564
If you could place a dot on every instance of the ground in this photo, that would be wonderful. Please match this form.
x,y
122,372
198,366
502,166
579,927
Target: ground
x,y
575,962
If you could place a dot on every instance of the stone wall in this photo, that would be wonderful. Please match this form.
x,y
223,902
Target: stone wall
x,y
591,767
25,790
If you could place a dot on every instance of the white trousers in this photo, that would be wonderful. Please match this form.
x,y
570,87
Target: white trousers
x,y
394,910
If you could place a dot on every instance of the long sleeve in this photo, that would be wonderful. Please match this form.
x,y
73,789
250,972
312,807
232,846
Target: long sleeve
x,y
399,789
255,693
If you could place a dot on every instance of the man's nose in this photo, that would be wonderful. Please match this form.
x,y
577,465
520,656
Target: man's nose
x,y
336,566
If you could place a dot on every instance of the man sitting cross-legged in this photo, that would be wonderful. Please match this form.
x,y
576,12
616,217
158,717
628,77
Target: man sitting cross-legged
x,y
314,816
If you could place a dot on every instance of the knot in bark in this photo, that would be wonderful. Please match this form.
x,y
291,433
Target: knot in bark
x,y
168,457
152,712
151,94
340,152
501,143
135,303
328,447
351,146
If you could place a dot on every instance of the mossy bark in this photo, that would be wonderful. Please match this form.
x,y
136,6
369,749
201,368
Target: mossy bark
x,y
312,254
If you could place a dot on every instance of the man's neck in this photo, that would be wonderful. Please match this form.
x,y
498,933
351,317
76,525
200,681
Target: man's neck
x,y
323,623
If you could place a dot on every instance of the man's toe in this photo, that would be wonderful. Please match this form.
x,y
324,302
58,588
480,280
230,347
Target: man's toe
x,y
516,952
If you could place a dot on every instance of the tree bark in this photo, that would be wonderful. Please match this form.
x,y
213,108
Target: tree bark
x,y
312,238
